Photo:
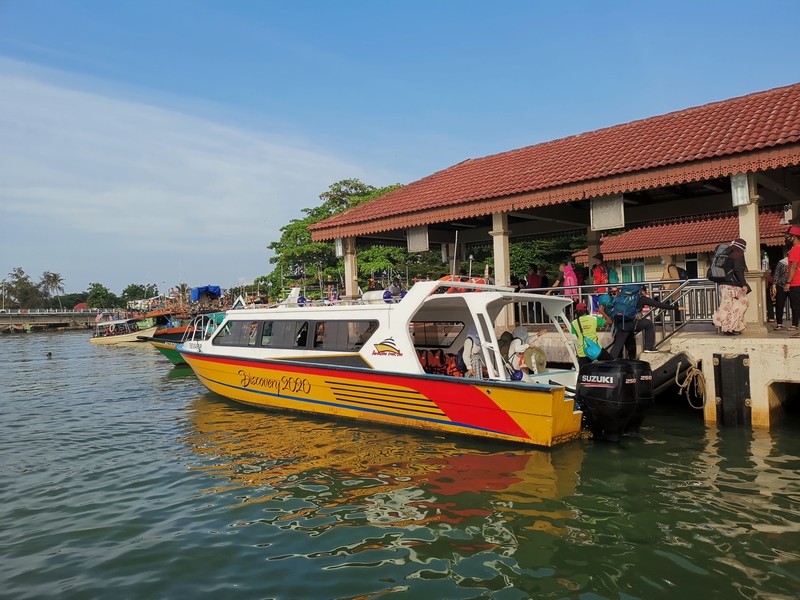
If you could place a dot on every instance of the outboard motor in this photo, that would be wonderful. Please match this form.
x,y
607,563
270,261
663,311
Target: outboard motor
x,y
607,393
644,394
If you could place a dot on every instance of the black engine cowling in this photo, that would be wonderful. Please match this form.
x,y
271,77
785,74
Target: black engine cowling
x,y
644,395
606,393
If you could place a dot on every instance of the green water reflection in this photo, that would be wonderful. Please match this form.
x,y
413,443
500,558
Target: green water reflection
x,y
680,508
124,478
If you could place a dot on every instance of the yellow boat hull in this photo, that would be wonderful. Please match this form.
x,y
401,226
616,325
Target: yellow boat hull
x,y
509,411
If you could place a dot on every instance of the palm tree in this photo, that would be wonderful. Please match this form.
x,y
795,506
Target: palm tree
x,y
183,290
53,282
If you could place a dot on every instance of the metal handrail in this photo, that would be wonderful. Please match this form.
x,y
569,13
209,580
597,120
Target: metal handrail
x,y
699,296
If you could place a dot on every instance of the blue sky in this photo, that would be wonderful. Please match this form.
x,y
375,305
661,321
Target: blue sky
x,y
168,141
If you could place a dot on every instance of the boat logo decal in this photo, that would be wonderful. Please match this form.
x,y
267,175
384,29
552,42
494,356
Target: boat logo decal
x,y
597,379
386,348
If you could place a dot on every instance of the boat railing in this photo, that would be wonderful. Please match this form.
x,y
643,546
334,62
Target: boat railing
x,y
698,296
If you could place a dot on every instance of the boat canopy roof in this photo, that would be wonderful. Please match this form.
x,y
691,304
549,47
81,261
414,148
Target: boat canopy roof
x,y
115,322
211,290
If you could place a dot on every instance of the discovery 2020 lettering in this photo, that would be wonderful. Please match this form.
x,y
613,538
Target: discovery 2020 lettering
x,y
291,385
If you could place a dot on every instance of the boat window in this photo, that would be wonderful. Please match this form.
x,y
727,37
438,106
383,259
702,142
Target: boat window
x,y
335,336
301,335
435,334
283,334
358,332
237,333
252,334
266,334
319,335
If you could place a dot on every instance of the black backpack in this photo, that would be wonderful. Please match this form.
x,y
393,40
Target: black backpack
x,y
682,274
460,364
721,264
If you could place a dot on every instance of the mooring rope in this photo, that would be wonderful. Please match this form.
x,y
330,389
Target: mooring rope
x,y
694,377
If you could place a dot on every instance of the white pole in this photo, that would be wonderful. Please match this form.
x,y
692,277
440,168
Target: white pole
x,y
455,251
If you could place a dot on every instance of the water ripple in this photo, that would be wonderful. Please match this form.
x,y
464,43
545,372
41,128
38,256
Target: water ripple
x,y
124,478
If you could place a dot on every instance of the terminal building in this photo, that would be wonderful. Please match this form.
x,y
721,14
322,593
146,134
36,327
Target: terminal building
x,y
678,184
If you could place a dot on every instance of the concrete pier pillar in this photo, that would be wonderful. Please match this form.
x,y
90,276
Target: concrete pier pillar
x,y
592,244
750,231
350,268
502,262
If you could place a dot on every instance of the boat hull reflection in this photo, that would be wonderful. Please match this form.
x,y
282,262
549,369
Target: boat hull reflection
x,y
387,477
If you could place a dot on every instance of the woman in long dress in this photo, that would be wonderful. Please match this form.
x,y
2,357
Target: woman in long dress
x,y
733,301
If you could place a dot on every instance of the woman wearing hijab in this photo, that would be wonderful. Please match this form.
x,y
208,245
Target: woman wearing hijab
x,y
473,354
566,278
733,301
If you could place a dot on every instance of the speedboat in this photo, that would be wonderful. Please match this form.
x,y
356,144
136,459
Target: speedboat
x,y
372,361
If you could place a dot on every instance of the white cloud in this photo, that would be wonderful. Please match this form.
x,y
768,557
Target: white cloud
x,y
116,191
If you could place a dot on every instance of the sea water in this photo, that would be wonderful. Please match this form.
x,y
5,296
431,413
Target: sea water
x,y
123,477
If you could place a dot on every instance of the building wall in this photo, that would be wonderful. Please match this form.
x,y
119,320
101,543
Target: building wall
x,y
653,267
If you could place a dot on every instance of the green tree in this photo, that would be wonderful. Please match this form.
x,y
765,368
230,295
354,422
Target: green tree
x,y
21,291
71,300
100,297
53,282
295,255
138,291
134,291
384,261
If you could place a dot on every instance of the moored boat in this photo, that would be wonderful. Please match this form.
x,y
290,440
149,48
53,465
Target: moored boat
x,y
363,362
201,327
119,331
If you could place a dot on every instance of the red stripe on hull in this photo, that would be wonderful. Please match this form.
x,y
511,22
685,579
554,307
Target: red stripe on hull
x,y
460,399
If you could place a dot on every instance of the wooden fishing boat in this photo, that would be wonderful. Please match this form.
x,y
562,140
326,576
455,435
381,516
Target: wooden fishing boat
x,y
119,331
363,362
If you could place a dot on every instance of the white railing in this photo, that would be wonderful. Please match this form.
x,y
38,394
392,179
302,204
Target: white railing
x,y
53,311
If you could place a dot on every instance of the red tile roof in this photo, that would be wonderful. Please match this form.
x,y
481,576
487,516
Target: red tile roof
x,y
686,235
573,168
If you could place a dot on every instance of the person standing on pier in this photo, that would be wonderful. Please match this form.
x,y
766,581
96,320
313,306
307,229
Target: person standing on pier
x,y
733,301
792,286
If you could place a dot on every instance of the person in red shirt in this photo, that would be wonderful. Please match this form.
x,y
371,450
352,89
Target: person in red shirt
x,y
599,273
793,284
533,280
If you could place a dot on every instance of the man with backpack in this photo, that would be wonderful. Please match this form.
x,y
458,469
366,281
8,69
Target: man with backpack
x,y
625,311
671,272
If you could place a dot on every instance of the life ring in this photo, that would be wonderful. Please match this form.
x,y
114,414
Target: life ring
x,y
461,279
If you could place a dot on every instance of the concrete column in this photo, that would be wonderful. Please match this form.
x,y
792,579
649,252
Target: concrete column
x,y
350,268
502,262
592,244
749,230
